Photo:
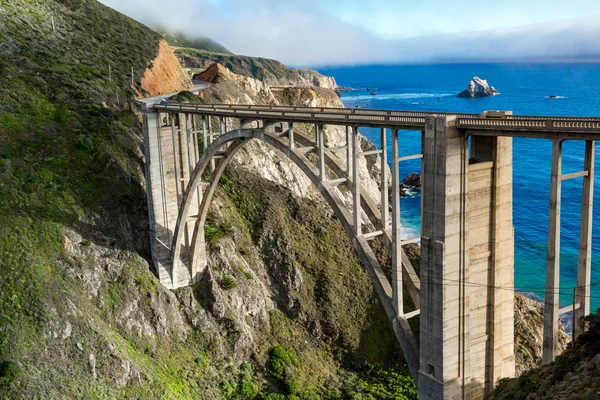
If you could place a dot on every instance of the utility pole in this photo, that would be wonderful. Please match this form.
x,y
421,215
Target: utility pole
x,y
53,26
574,323
109,73
132,77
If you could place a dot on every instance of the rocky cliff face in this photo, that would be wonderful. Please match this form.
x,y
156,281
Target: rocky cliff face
x,y
529,334
271,72
574,375
164,74
313,78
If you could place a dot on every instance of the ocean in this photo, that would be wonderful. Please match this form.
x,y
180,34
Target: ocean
x,y
524,89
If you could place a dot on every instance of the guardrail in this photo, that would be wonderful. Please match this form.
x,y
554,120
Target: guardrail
x,y
391,118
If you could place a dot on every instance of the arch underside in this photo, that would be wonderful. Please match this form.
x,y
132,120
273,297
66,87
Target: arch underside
x,y
233,141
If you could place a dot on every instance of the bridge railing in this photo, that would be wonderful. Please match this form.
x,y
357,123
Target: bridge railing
x,y
338,110
395,118
530,122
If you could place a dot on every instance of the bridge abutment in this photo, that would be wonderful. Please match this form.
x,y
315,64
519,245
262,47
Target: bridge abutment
x,y
171,152
466,326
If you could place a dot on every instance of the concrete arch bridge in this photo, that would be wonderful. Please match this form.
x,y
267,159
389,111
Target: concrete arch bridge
x,y
466,341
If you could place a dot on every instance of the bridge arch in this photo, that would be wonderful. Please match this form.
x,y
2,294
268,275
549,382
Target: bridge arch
x,y
236,140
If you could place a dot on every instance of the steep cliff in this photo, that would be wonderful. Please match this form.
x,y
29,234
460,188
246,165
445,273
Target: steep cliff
x,y
164,74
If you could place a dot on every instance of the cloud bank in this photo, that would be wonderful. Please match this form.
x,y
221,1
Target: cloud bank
x,y
304,34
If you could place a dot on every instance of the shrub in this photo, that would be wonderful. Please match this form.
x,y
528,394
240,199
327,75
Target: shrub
x,y
281,367
213,232
228,282
8,370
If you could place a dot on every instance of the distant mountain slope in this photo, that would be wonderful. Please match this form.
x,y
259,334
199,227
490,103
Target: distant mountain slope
x,y
271,72
204,43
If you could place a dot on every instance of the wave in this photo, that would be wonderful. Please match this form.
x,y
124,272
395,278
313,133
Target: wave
x,y
395,96
557,97
407,233
412,191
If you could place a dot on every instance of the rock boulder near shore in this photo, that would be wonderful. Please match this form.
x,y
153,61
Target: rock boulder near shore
x,y
413,179
478,88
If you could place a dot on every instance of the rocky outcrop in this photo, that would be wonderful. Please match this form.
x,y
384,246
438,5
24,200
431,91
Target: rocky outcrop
x,y
314,78
164,74
214,73
574,375
413,179
271,72
478,88
529,334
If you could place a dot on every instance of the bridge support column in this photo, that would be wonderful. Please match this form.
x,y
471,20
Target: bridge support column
x,y
582,292
385,211
320,139
444,371
349,152
397,278
291,135
551,303
467,251
356,217
169,148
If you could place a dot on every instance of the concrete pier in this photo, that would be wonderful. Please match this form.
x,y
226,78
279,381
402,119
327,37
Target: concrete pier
x,y
466,255
171,149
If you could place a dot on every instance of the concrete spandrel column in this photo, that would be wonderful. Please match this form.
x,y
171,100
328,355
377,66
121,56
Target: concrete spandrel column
x,y
584,264
444,371
397,292
357,220
385,213
320,138
291,135
349,152
551,301
491,263
158,204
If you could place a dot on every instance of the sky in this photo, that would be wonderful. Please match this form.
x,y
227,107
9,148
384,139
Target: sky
x,y
317,33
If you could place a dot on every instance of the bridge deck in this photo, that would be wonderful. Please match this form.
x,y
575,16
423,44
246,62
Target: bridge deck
x,y
585,128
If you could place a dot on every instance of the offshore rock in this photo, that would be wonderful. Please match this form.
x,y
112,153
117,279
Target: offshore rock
x,y
478,88
413,179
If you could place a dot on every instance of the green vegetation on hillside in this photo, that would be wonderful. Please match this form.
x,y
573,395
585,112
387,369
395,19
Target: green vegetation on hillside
x,y
309,337
65,158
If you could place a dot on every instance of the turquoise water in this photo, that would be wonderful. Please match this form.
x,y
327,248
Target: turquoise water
x,y
524,90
